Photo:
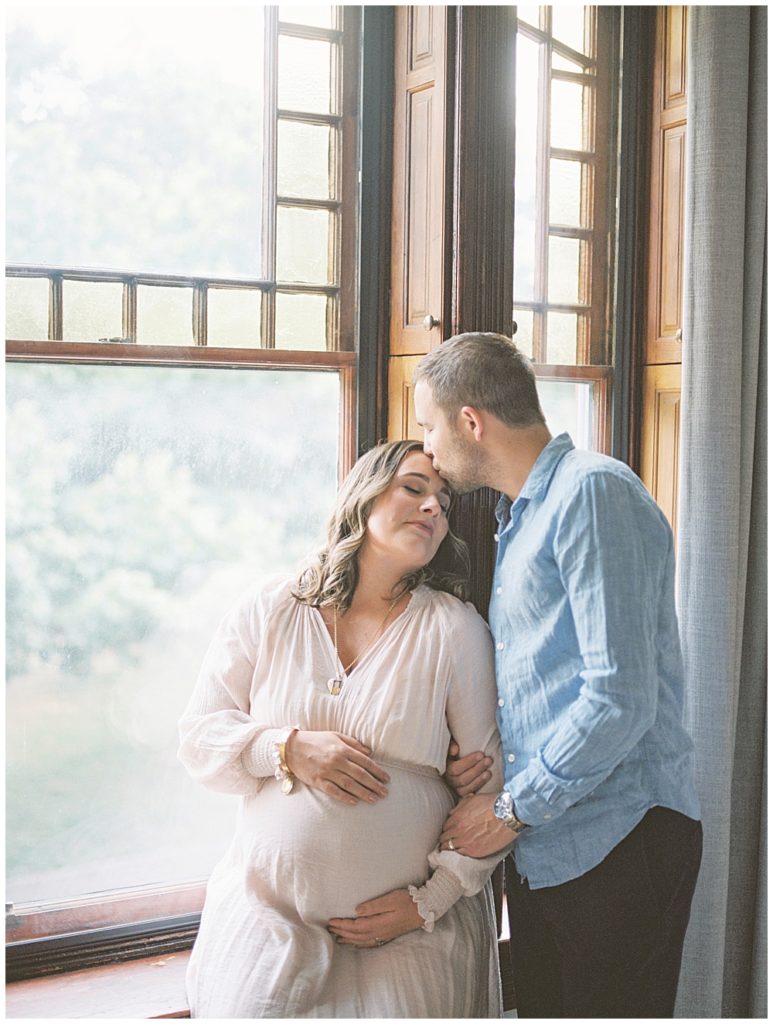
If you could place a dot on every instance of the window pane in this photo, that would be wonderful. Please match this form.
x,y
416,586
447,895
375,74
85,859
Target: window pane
x,y
530,14
302,245
91,311
524,336
564,270
141,503
563,64
109,128
300,321
562,338
569,26
233,318
26,308
566,115
566,193
304,161
323,17
164,315
304,75
526,128
568,406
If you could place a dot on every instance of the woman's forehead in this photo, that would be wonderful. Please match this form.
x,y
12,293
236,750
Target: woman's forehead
x,y
421,464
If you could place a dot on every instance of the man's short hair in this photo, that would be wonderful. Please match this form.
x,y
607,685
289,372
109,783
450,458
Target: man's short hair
x,y
484,370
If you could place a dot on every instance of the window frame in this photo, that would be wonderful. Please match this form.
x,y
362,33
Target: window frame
x,y
594,341
45,937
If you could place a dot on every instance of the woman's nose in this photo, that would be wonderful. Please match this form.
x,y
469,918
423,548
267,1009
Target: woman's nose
x,y
431,504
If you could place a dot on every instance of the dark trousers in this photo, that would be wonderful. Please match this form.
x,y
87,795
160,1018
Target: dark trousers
x,y
609,943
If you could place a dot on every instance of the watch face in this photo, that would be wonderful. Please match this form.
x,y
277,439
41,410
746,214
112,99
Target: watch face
x,y
503,806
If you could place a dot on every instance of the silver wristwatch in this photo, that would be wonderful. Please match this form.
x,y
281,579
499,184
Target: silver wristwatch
x,y
504,809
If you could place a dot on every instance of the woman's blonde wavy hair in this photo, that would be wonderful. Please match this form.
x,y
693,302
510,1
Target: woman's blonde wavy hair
x,y
331,576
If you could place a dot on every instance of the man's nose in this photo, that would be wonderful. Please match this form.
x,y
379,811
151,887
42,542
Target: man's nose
x,y
427,446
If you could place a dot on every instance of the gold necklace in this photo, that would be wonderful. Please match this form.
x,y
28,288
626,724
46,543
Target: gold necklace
x,y
334,685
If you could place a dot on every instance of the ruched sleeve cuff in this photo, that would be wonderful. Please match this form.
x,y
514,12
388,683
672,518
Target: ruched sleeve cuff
x,y
258,755
436,896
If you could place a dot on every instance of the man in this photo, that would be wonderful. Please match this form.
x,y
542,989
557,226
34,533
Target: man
x,y
599,796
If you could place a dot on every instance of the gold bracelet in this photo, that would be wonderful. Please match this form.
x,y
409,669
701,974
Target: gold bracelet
x,y
282,773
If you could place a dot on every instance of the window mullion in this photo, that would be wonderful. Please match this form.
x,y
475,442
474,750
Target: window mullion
x,y
543,199
55,318
129,311
271,59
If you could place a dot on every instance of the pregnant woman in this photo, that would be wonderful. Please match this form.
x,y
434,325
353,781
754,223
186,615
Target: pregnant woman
x,y
327,703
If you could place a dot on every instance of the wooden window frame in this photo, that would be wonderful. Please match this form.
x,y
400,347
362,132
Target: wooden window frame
x,y
594,277
51,936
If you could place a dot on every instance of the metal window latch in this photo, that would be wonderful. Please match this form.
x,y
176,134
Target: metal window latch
x,y
679,334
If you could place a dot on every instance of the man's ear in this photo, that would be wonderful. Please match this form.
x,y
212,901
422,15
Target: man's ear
x,y
472,422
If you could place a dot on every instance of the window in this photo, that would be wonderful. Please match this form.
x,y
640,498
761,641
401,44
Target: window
x,y
563,204
180,316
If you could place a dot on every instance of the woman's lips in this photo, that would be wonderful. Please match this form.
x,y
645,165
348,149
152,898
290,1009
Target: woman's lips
x,y
424,527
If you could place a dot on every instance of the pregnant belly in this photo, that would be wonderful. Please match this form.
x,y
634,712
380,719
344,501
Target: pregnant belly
x,y
317,858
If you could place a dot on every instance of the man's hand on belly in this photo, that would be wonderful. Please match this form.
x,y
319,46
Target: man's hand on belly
x,y
472,829
378,921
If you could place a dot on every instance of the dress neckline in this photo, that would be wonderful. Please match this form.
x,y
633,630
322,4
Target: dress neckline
x,y
415,600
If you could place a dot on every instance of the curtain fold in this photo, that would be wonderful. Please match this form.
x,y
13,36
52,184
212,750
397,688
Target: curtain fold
x,y
723,491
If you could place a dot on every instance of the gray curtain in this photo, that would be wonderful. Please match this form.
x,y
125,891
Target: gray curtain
x,y
722,521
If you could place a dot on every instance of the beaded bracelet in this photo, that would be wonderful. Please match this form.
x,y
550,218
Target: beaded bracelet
x,y
282,773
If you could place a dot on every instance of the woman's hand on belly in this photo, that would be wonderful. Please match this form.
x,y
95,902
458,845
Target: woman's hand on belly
x,y
337,765
378,921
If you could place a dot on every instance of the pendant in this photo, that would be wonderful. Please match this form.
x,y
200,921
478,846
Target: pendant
x,y
334,686
287,785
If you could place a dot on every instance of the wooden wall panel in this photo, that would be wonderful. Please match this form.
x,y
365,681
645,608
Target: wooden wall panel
x,y
402,417
660,437
663,337
669,279
419,189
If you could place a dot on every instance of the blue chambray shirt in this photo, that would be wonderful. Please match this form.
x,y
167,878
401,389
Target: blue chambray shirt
x,y
589,668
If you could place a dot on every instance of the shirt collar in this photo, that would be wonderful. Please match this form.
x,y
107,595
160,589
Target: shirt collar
x,y
538,480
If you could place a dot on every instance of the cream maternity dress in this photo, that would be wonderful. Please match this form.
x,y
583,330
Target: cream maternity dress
x,y
299,859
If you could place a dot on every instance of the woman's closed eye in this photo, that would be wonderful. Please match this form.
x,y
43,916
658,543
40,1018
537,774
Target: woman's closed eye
x,y
444,508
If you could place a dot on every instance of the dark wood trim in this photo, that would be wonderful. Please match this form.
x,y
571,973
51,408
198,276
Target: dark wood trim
x,y
41,957
484,169
483,224
569,371
374,267
174,355
637,55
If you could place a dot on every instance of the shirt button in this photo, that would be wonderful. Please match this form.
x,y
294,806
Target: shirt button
x,y
500,646
496,536
501,703
548,817
511,758
499,590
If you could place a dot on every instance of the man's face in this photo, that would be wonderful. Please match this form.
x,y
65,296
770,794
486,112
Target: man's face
x,y
454,457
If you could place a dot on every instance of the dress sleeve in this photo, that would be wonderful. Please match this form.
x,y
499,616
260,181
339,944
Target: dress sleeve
x,y
221,745
471,716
